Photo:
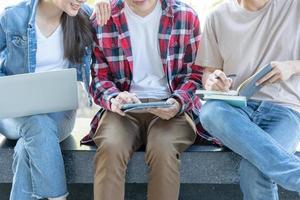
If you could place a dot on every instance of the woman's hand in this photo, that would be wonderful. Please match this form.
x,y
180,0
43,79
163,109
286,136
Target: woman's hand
x,y
167,113
123,98
102,12
218,81
281,71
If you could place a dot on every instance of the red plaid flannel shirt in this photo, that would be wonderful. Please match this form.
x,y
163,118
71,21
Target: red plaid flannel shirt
x,y
179,36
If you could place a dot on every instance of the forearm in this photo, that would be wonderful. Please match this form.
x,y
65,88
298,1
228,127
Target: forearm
x,y
295,65
102,88
102,92
185,97
186,88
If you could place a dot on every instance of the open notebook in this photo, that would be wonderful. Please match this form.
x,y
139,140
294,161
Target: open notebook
x,y
238,97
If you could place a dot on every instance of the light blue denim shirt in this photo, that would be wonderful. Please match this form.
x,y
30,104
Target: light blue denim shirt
x,y
18,43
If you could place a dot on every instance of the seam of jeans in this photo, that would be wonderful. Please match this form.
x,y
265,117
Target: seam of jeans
x,y
261,109
297,114
33,194
32,181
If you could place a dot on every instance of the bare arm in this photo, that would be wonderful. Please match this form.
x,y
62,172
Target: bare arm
x,y
296,65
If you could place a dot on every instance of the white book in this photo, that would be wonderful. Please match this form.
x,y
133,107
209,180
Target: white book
x,y
238,97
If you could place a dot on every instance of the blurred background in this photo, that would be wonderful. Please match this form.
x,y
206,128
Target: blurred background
x,y
201,6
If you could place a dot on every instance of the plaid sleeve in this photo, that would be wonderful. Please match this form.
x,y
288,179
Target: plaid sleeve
x,y
102,87
191,74
2,43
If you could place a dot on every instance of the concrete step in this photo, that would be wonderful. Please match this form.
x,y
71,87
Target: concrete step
x,y
138,192
203,168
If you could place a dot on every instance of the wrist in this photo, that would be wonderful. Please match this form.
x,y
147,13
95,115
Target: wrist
x,y
111,101
294,67
178,104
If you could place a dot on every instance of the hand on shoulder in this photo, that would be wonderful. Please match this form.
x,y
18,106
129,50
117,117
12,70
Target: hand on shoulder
x,y
102,12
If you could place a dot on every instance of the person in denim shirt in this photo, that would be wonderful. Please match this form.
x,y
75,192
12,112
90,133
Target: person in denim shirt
x,y
32,36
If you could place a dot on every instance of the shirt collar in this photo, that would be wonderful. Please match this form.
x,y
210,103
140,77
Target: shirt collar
x,y
119,5
33,8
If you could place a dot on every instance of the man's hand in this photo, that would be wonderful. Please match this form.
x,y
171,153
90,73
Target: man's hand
x,y
167,113
281,71
102,12
122,98
218,81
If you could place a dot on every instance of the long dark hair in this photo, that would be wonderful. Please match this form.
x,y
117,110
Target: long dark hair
x,y
78,34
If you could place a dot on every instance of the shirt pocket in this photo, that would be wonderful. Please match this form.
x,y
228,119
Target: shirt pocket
x,y
17,53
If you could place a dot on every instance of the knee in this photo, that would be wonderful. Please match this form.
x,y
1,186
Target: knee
x,y
160,148
64,122
20,155
114,150
213,113
39,129
252,179
20,150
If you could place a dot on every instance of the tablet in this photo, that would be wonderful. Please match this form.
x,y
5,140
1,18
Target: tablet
x,y
141,106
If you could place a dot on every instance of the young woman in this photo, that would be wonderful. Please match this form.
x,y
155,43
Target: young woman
x,y
38,36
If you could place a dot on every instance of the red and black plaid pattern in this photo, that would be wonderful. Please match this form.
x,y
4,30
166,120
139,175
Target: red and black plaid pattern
x,y
179,36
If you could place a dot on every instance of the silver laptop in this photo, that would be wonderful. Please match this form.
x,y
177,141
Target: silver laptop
x,y
38,93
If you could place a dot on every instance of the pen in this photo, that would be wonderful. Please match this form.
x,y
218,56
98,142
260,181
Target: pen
x,y
228,76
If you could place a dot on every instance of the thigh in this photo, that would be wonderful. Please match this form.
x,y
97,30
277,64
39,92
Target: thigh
x,y
64,122
283,124
179,132
117,130
10,127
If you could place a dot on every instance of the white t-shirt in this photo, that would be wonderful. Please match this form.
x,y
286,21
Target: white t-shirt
x,y
50,51
239,41
149,79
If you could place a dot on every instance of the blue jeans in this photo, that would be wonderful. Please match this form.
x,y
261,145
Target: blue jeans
x,y
38,164
266,135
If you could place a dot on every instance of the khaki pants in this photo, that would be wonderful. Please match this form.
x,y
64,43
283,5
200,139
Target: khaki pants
x,y
118,137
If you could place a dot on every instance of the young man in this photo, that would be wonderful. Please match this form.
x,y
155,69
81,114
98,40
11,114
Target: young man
x,y
240,37
144,53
